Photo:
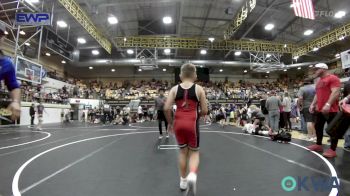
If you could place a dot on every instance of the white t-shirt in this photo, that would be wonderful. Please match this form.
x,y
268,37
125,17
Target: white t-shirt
x,y
139,110
287,104
249,113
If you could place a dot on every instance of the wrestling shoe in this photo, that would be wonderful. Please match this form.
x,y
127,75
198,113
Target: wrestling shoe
x,y
167,136
192,184
183,184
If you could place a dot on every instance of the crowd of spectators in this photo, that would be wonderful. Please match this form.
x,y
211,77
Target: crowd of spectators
x,y
120,115
147,90
36,93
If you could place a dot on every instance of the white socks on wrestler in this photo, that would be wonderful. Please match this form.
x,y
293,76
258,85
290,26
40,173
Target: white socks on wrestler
x,y
183,183
190,179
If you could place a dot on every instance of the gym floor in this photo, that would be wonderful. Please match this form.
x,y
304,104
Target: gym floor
x,y
82,159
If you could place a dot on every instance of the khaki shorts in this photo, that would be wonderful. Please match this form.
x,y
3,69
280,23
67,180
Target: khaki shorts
x,y
40,117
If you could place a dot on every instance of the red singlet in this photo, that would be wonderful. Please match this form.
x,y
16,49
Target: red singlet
x,y
186,125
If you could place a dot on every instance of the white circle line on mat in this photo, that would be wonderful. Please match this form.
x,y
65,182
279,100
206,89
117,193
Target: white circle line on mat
x,y
334,191
15,181
21,144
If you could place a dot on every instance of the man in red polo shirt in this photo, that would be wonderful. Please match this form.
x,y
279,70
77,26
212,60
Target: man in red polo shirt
x,y
325,107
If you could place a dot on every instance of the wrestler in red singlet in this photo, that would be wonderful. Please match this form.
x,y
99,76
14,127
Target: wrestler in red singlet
x,y
186,117
188,97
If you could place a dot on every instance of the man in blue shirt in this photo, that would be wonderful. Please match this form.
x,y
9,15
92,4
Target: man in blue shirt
x,y
8,74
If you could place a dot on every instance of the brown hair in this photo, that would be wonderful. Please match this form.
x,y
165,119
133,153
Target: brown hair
x,y
188,70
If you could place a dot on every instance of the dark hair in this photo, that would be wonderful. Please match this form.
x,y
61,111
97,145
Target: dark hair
x,y
161,89
308,81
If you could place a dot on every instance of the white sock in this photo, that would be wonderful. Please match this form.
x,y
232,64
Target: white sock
x,y
192,174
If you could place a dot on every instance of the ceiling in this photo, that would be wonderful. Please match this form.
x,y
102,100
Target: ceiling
x,y
195,18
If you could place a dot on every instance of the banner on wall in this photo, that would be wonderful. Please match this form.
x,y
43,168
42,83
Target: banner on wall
x,y
236,101
117,102
93,103
151,102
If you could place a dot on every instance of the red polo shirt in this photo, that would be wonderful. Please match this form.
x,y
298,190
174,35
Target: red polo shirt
x,y
324,90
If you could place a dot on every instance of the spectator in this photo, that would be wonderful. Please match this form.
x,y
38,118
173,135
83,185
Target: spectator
x,y
273,105
227,114
263,107
281,119
125,113
145,112
32,115
159,105
243,115
40,111
306,95
287,108
258,120
325,106
238,116
118,120
64,89
62,116
140,112
222,116
151,113
118,110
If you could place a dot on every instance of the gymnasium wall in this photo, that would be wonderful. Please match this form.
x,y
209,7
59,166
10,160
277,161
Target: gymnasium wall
x,y
121,79
52,113
122,73
103,73
213,78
